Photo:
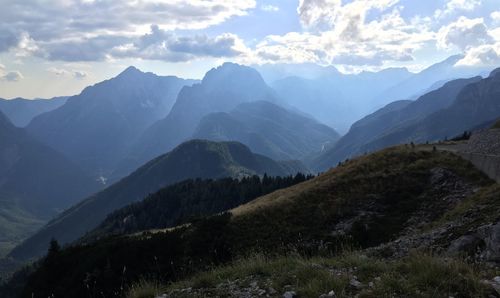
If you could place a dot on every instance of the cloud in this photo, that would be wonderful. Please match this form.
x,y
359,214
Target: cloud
x,y
163,45
495,17
12,76
80,75
341,34
61,72
85,30
484,55
453,6
464,34
269,8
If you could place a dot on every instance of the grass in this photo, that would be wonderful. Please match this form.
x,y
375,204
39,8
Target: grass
x,y
415,276
145,289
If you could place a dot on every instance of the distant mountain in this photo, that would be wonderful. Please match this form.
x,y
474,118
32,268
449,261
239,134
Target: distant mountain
x,y
309,71
390,118
420,82
221,90
476,104
21,111
268,129
95,128
36,182
193,159
338,99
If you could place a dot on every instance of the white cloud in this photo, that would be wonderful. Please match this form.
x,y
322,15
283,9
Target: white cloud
x,y
342,35
269,8
484,55
464,34
163,45
72,30
495,17
61,72
453,6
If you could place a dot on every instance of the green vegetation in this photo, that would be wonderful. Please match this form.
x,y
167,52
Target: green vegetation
x,y
183,202
378,194
414,276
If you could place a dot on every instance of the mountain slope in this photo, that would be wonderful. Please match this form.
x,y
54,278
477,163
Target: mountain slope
x,y
221,90
193,159
337,99
177,204
95,128
268,129
21,111
375,200
442,71
476,104
390,118
36,183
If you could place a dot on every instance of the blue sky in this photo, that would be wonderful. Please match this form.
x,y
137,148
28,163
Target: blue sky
x,y
57,47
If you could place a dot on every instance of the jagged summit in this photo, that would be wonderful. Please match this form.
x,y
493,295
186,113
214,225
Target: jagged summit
x,y
232,73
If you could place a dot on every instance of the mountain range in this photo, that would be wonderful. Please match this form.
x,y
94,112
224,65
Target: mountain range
x,y
95,128
21,111
193,159
396,116
268,129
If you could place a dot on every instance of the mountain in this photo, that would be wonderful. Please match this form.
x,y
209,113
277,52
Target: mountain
x,y
337,99
268,129
193,159
388,208
221,90
95,128
388,119
476,104
416,84
21,111
36,183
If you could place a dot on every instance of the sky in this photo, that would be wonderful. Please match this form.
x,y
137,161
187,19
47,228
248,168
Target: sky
x,y
57,47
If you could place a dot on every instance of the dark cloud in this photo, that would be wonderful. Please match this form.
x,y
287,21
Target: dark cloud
x,y
12,76
8,39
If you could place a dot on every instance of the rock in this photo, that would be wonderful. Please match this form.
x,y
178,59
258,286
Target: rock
x,y
355,283
330,294
496,284
371,284
289,294
466,244
491,237
271,291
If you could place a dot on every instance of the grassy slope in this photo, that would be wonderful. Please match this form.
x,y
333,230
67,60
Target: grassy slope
x,y
329,196
394,182
414,276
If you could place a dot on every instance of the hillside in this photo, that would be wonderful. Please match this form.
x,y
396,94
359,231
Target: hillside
x,y
269,130
95,128
385,121
179,203
21,111
388,203
36,183
193,159
475,104
221,90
